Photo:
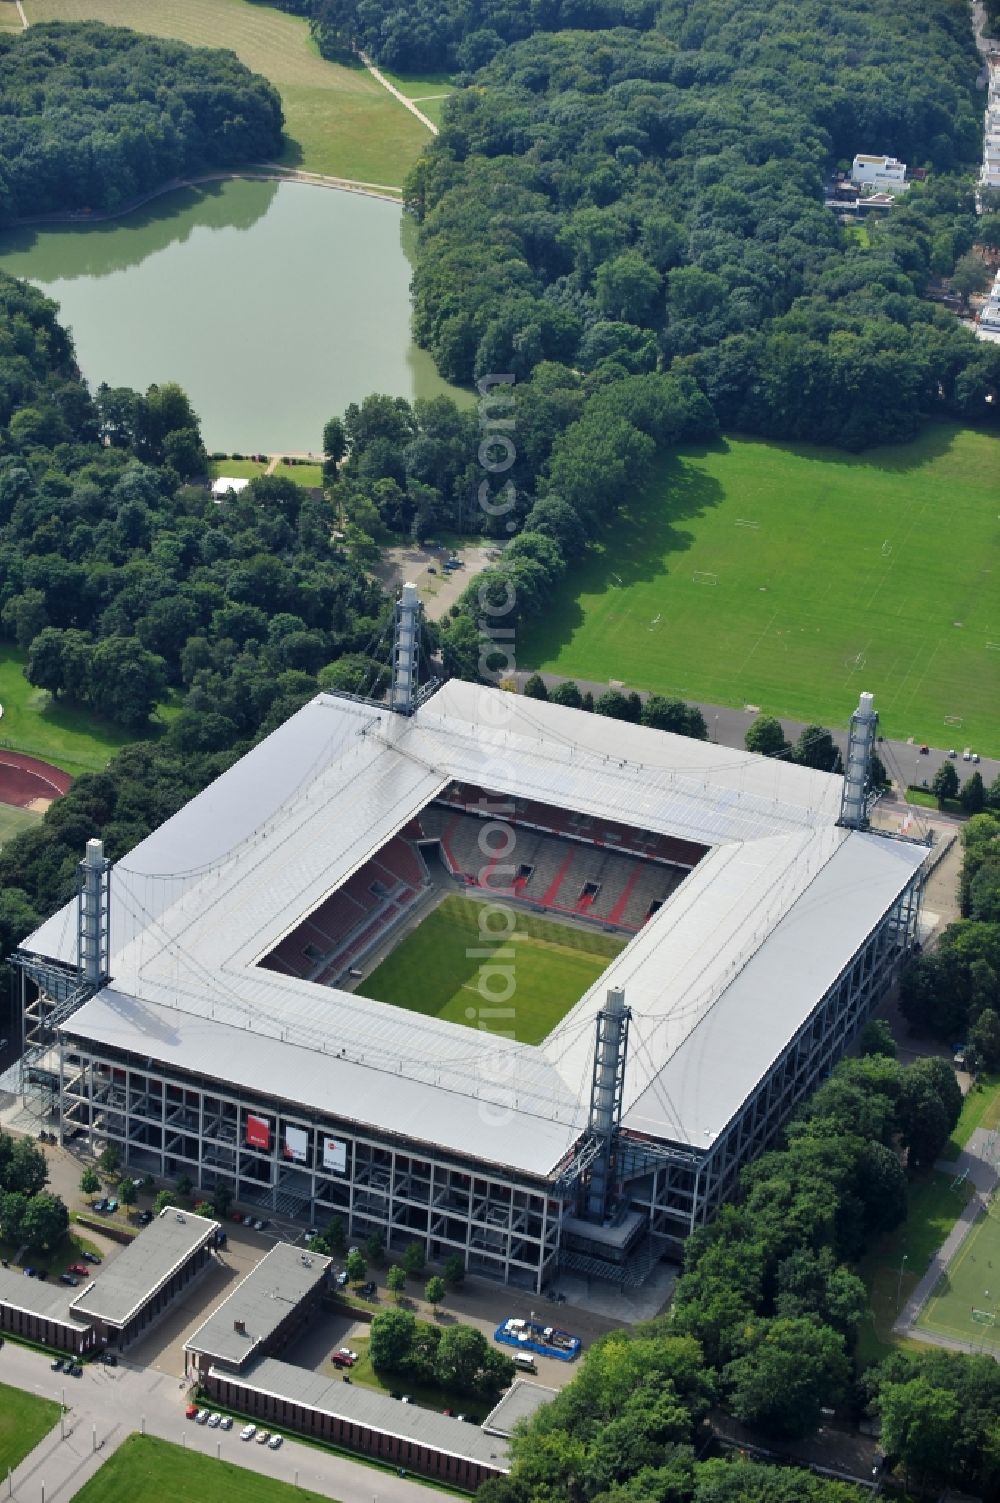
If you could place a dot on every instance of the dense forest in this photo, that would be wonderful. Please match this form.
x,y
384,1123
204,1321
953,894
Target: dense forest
x,y
92,116
123,583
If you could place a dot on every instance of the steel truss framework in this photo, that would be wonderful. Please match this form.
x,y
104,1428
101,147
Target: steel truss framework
x,y
505,1227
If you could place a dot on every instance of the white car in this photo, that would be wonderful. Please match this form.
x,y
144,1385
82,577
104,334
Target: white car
x,y
201,1418
248,1432
258,1226
226,1422
214,1421
263,1436
274,1442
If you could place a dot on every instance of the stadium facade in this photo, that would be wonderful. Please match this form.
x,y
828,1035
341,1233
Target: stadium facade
x,y
195,1006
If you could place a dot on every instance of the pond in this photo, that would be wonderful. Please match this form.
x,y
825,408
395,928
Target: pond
x,y
272,304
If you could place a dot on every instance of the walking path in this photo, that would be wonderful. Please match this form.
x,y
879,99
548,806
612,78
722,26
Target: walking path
x,y
974,1161
407,103
20,11
108,1404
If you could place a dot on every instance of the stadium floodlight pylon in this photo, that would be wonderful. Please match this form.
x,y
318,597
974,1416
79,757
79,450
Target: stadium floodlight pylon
x,y
93,928
857,776
607,1088
405,652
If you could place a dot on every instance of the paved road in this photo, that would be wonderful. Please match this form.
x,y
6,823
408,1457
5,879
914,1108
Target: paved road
x,y
728,727
107,1405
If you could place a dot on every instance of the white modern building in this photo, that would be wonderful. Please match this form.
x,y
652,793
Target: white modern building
x,y
201,1007
880,174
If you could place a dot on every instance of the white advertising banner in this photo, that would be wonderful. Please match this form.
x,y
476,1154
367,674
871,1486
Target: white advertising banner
x,y
296,1144
335,1155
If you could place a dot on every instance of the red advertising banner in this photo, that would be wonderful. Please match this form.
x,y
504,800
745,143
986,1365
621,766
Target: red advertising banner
x,y
258,1133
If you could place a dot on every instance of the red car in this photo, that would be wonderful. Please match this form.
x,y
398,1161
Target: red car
x,y
191,1411
80,1268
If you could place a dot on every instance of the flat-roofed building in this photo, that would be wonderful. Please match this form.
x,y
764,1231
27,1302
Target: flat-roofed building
x,y
134,1289
361,1419
522,1399
39,1311
886,174
264,1311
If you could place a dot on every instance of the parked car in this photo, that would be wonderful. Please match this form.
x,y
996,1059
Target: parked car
x,y
92,1257
214,1421
145,1217
339,1360
110,1360
80,1268
345,1351
29,1273
57,1365
342,1279
191,1411
100,1205
74,1370
263,1436
112,1204
925,751
201,1418
431,569
69,1278
248,1432
275,1442
41,1273
975,756
227,1422
236,1215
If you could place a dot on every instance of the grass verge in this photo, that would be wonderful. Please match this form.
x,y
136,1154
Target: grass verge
x,y
13,821
147,1470
981,1108
934,1208
25,1419
791,577
434,970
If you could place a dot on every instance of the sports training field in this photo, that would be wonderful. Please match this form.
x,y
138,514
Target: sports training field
x,y
791,577
146,1470
338,120
432,971
966,1303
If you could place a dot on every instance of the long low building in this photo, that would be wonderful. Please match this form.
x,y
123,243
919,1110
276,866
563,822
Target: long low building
x,y
363,1420
215,1025
38,1311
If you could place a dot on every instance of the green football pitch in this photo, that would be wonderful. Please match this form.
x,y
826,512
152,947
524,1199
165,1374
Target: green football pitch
x,y
522,987
966,1303
791,577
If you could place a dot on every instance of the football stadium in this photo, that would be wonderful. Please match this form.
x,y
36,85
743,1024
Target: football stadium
x,y
502,977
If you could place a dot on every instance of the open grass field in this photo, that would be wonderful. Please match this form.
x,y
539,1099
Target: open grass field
x,y
792,577
966,1303
432,971
33,722
309,475
934,1209
24,1420
13,821
146,1470
338,120
9,18
428,90
981,1108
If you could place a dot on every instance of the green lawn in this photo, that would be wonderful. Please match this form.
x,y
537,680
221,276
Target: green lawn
x,y
57,1259
433,971
24,1420
146,1470
67,737
427,1397
13,821
236,469
428,90
981,1108
792,577
338,120
934,1209
966,1302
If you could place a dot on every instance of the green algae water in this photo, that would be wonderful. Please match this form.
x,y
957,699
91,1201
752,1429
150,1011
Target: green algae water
x,y
273,304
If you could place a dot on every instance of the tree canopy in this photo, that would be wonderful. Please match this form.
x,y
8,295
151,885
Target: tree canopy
x,y
95,115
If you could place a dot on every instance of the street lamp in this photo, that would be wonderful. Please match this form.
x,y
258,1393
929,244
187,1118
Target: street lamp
x,y
899,1285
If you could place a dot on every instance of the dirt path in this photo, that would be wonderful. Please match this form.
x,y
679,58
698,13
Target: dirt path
x,y
406,103
20,11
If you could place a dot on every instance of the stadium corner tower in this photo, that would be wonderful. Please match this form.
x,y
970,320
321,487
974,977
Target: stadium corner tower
x,y
201,1004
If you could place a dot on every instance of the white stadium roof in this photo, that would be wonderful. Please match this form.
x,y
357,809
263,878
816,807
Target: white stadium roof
x,y
718,981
